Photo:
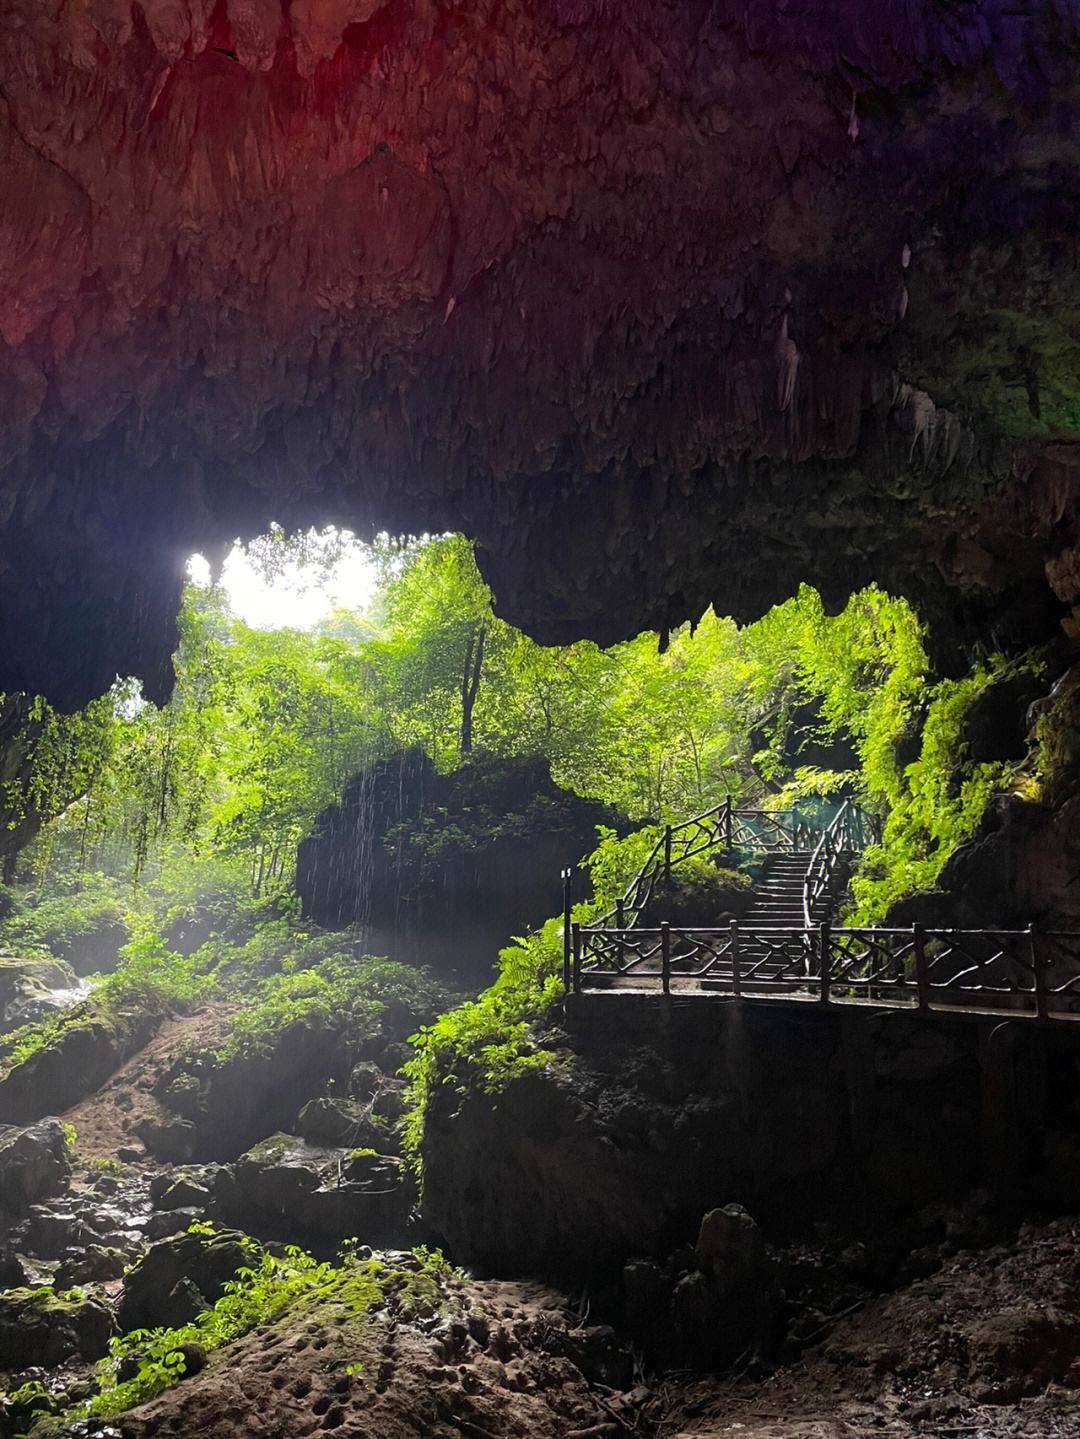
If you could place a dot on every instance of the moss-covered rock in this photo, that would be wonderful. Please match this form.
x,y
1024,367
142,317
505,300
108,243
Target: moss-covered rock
x,y
285,1187
699,894
23,980
34,1163
180,1276
42,1327
74,1061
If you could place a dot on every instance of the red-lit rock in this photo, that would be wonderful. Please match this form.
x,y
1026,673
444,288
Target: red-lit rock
x,y
662,303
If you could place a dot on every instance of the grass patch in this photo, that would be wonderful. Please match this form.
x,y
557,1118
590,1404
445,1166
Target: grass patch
x,y
273,1287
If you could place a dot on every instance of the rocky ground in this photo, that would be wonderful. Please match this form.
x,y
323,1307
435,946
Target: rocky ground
x,y
139,1206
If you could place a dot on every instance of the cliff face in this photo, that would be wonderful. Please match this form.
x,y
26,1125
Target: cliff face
x,y
440,869
661,303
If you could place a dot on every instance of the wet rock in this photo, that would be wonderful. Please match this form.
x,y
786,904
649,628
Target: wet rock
x,y
286,1187
76,1220
34,1163
168,1137
30,988
380,1093
93,1265
180,1276
39,1326
343,1122
12,1270
179,1192
74,1063
457,862
170,1221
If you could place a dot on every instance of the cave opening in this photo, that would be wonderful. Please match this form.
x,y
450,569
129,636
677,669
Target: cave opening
x,y
608,962
257,934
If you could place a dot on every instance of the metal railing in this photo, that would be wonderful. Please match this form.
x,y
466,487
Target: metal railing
x,y
1021,973
725,828
837,841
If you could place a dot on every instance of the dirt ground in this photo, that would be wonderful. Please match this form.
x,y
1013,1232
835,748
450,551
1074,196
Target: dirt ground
x,y
987,1348
493,1367
108,1119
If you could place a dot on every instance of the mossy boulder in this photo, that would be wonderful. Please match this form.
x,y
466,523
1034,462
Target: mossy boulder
x,y
699,894
344,1121
74,1061
180,1276
41,1327
26,983
285,1187
34,1163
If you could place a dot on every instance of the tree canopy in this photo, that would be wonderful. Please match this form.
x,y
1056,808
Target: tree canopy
x,y
264,726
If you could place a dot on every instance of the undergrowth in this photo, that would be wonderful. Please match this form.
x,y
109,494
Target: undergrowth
x,y
939,800
262,1293
486,1044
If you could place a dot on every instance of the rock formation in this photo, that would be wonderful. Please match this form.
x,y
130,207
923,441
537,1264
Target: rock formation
x,y
445,869
662,303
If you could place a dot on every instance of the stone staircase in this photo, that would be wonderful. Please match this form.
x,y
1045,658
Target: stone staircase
x,y
778,893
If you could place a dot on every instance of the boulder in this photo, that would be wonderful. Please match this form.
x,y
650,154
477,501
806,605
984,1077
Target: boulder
x,y
178,1277
180,1191
29,988
41,1327
34,1163
12,1270
709,1304
171,1221
74,1063
286,1188
95,1264
76,1219
168,1136
343,1122
730,1247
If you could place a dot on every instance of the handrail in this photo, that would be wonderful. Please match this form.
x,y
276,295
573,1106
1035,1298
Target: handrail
x,y
1016,972
720,827
819,871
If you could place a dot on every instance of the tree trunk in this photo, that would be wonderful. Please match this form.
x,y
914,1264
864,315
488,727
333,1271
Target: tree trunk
x,y
470,684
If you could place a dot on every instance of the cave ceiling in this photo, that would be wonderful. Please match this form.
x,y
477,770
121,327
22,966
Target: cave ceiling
x,y
663,303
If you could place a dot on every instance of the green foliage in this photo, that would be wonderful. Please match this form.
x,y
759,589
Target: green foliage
x,y
487,1043
72,911
256,1295
272,1288
939,800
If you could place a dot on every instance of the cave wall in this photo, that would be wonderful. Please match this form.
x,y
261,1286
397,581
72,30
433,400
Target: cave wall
x,y
445,869
663,303
660,1111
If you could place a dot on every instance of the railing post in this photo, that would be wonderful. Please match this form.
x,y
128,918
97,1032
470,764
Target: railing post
x,y
728,828
567,898
620,921
825,943
1038,967
667,856
736,972
665,956
576,931
922,978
